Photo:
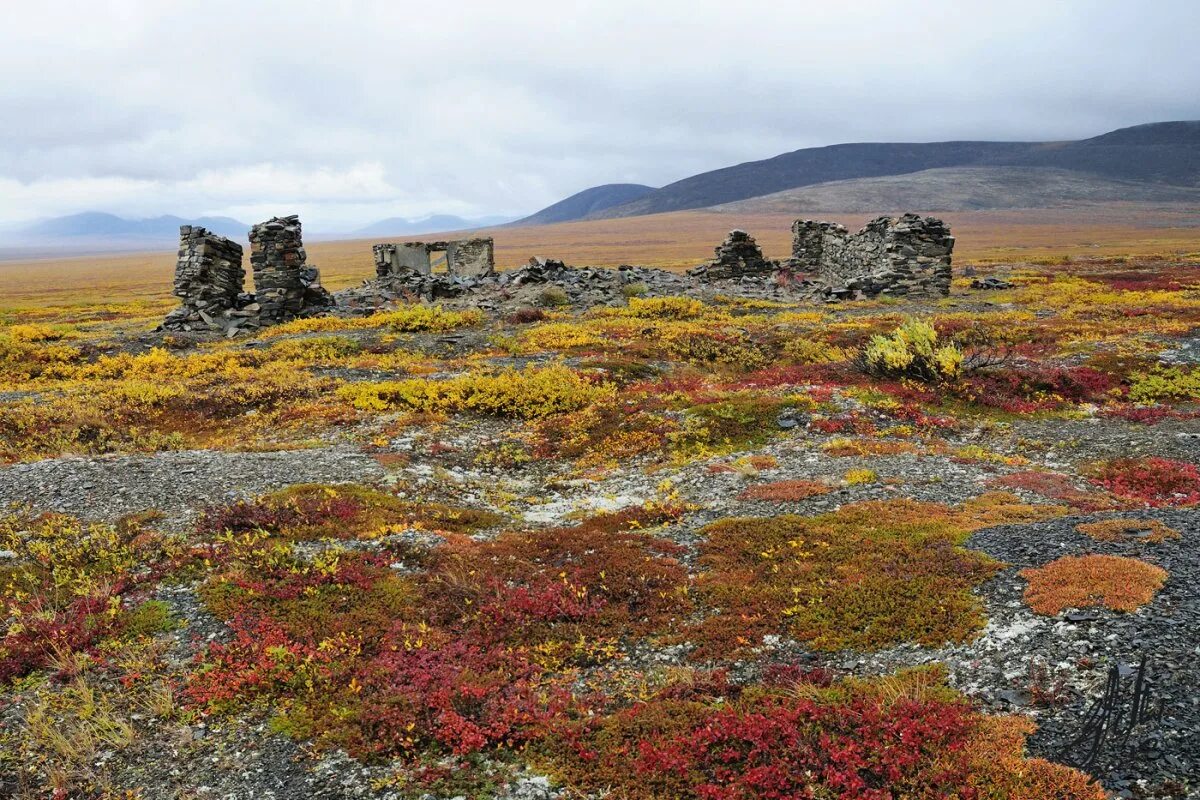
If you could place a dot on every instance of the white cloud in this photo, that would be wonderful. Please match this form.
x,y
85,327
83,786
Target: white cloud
x,y
367,108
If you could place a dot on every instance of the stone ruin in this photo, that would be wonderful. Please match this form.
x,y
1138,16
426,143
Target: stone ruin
x,y
465,258
738,256
905,255
209,278
284,285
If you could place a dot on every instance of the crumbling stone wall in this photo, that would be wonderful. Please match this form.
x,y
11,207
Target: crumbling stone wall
x,y
738,256
468,258
208,274
471,258
906,255
284,285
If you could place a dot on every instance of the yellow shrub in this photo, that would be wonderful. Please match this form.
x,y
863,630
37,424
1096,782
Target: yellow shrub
x,y
912,351
559,336
665,308
809,351
39,333
857,477
529,393
417,317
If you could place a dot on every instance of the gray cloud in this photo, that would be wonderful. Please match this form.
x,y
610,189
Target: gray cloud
x,y
368,108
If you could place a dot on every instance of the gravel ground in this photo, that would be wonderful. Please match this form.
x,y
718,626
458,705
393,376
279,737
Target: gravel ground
x,y
176,483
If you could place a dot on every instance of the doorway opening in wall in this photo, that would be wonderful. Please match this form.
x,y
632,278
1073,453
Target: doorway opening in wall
x,y
439,262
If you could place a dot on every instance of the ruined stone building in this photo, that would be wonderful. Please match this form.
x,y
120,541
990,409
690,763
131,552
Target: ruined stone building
x,y
209,279
468,258
906,255
736,257
284,285
208,275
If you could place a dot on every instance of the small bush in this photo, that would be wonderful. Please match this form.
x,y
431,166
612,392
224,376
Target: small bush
x,y
1056,486
866,576
858,477
638,289
1164,385
665,308
553,297
809,351
314,511
912,351
1113,582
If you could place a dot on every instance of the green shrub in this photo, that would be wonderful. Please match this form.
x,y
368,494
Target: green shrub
x,y
553,296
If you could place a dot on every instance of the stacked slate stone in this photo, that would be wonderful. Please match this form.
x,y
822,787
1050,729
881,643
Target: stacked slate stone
x,y
285,287
208,280
737,257
904,255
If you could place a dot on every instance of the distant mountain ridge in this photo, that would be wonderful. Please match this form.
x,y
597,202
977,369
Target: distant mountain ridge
x,y
1162,153
588,202
963,189
100,225
438,223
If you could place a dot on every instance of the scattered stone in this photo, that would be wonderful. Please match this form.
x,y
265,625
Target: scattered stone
x,y
991,283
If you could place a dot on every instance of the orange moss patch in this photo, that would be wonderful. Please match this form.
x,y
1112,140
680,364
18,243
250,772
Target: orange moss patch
x,y
867,447
785,491
1092,581
1117,530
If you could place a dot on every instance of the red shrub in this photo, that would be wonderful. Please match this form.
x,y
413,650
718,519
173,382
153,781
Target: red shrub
x,y
526,315
1055,486
1154,481
48,633
1023,391
462,696
788,749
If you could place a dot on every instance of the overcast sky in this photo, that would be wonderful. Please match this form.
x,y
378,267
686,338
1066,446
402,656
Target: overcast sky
x,y
349,111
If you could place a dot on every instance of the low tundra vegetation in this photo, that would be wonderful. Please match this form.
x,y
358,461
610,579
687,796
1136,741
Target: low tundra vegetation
x,y
450,645
477,654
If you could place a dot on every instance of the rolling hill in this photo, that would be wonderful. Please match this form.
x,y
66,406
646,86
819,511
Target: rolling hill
x,y
1154,156
964,189
588,202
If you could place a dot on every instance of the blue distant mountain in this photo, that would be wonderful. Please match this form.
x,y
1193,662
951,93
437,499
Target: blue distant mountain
x,y
99,225
438,223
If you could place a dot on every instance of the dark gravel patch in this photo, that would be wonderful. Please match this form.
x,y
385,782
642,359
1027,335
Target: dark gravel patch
x,y
177,483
